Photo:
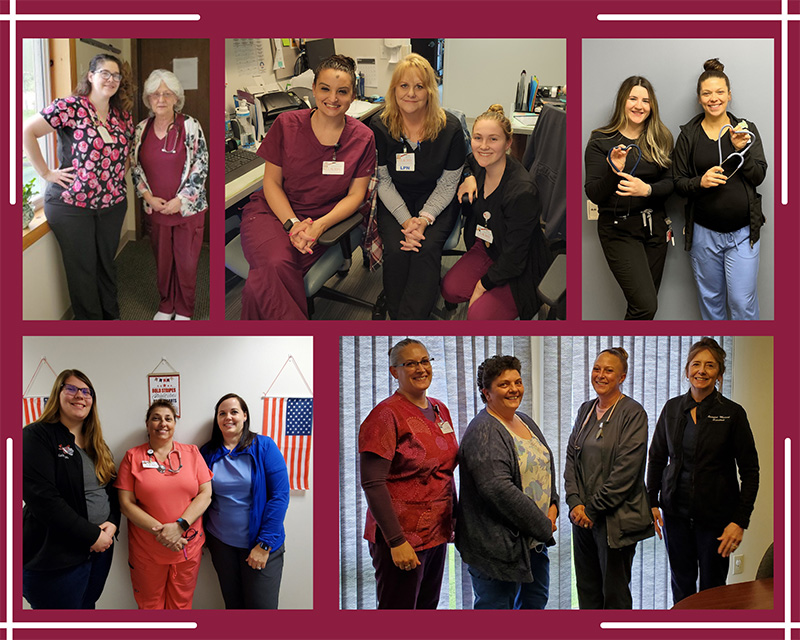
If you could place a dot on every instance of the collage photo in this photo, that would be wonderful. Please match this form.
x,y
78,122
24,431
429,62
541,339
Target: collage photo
x,y
381,396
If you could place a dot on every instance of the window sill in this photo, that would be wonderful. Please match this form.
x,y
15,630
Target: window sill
x,y
37,228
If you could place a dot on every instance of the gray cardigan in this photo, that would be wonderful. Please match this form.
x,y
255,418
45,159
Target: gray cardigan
x,y
622,500
496,522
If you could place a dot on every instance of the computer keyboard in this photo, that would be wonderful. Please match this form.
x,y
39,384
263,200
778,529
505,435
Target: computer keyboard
x,y
239,162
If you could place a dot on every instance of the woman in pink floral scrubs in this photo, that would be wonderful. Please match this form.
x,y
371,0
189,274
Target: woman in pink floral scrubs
x,y
86,201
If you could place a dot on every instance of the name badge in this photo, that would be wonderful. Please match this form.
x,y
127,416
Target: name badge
x,y
446,427
333,168
149,464
105,135
484,234
405,162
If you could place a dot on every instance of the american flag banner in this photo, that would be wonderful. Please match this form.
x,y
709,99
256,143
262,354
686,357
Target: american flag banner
x,y
32,408
288,422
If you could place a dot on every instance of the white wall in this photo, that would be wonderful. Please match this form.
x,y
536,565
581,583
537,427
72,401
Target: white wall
x,y
372,48
673,66
210,367
753,389
479,73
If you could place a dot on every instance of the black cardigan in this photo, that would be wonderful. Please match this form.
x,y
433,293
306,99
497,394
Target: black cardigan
x,y
724,443
55,531
519,249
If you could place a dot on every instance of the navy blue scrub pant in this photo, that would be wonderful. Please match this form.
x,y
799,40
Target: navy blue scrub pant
x,y
692,550
77,587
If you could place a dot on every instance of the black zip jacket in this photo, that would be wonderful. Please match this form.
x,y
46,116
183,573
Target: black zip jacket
x,y
55,531
724,441
687,177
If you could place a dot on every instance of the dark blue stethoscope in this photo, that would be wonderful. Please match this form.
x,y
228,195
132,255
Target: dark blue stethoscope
x,y
162,468
735,154
632,172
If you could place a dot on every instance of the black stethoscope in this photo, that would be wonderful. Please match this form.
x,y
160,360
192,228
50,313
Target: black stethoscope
x,y
162,468
603,421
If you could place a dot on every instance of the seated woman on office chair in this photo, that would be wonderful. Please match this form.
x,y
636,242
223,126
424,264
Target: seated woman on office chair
x,y
420,158
318,166
500,272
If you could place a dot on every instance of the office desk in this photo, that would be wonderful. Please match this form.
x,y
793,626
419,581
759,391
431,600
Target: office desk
x,y
522,125
756,594
244,185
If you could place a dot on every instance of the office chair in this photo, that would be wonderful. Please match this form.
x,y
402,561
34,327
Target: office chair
x,y
342,238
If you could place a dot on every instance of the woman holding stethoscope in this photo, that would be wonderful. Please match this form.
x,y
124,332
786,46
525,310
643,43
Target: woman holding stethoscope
x,y
317,170
164,488
628,178
170,167
718,163
86,197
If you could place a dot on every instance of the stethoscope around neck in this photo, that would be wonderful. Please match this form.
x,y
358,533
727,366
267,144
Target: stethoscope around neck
x,y
164,146
163,468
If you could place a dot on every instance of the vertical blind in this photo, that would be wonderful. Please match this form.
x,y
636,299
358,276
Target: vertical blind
x,y
563,364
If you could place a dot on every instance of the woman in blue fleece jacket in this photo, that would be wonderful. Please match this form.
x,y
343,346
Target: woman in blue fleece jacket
x,y
244,524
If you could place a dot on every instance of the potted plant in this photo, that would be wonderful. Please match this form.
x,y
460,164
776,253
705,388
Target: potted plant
x,y
28,191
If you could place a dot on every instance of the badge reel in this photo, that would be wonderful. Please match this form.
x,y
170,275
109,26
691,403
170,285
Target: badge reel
x,y
332,167
484,233
444,425
104,134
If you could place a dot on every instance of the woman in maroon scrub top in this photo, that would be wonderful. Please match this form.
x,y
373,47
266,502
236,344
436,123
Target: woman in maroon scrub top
x,y
318,166
170,166
408,453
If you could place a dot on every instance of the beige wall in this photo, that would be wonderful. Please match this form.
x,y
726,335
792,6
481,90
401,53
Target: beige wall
x,y
753,389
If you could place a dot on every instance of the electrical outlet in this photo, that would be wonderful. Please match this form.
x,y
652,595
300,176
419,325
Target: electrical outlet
x,y
591,211
738,563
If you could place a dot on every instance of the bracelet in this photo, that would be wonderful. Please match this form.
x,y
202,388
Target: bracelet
x,y
427,216
183,524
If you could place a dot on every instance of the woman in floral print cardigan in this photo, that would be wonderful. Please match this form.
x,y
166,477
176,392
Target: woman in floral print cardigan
x,y
170,167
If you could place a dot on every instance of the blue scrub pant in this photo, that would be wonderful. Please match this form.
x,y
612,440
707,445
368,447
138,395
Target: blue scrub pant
x,y
77,587
499,594
725,270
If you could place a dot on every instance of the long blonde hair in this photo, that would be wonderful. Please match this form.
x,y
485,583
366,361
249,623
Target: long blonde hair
x,y
435,118
655,141
94,445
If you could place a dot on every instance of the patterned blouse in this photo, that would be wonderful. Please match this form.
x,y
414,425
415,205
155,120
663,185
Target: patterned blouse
x,y
534,466
192,191
99,163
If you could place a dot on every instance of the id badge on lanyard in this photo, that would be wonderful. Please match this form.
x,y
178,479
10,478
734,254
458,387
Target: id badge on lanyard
x,y
104,134
444,425
332,168
404,162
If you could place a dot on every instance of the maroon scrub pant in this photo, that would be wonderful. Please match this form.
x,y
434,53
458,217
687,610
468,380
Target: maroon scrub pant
x,y
460,280
274,289
177,250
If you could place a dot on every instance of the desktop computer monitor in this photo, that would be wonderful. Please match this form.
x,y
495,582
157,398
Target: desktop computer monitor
x,y
318,50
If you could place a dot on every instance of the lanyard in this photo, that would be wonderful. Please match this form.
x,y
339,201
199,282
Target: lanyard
x,y
605,420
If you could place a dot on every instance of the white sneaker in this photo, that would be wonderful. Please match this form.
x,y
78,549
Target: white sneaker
x,y
180,317
163,316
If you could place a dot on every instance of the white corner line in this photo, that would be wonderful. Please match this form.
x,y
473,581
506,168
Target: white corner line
x,y
95,17
787,535
9,533
693,17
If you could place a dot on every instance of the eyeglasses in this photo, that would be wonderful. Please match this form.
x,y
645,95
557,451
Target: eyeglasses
x,y
413,364
167,95
107,75
72,390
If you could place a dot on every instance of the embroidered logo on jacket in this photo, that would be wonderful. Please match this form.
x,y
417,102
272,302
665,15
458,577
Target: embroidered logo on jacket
x,y
65,452
719,418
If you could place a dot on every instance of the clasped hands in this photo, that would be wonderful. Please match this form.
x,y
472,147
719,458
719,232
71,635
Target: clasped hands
x,y
105,539
170,535
304,234
579,518
414,232
164,207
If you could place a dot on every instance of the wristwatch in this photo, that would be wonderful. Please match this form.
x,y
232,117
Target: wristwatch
x,y
183,524
265,547
289,224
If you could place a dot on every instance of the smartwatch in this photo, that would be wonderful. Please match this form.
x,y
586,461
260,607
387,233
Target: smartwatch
x,y
289,224
265,547
183,524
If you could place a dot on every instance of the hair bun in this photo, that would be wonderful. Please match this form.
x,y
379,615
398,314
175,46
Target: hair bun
x,y
713,65
347,61
621,352
497,108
